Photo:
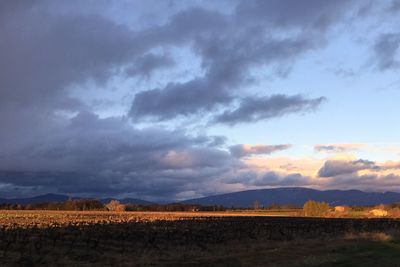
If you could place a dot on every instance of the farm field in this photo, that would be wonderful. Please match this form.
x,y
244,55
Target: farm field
x,y
45,218
70,238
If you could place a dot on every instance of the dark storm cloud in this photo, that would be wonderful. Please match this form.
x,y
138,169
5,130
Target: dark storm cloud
x,y
54,52
145,65
312,14
385,49
57,51
99,156
52,141
177,99
226,62
333,168
42,54
270,178
90,143
47,151
34,179
230,46
249,150
254,109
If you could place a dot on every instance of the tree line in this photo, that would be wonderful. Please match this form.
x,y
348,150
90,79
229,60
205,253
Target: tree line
x,y
113,205
310,208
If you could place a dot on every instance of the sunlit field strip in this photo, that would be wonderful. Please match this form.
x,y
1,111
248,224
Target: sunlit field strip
x,y
61,218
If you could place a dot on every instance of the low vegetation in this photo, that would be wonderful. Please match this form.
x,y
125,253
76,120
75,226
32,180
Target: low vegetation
x,y
310,209
90,233
113,205
316,209
103,238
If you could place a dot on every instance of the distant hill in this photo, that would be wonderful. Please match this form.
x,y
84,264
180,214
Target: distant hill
x,y
35,200
297,196
245,199
62,198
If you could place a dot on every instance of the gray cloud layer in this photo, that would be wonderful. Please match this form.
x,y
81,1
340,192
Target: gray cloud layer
x,y
385,48
53,141
248,150
94,155
230,46
336,148
255,109
333,168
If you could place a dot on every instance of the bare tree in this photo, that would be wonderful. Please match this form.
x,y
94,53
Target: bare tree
x,y
115,205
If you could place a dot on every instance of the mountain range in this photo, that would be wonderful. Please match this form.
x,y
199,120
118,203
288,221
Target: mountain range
x,y
297,196
245,199
61,198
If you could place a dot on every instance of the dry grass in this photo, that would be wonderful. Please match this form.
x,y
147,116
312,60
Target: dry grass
x,y
43,218
242,238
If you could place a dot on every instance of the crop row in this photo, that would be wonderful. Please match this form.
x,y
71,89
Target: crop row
x,y
92,240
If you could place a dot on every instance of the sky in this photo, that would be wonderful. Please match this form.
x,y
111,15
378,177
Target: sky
x,y
167,100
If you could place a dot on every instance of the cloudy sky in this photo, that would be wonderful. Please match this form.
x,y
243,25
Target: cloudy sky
x,y
177,99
